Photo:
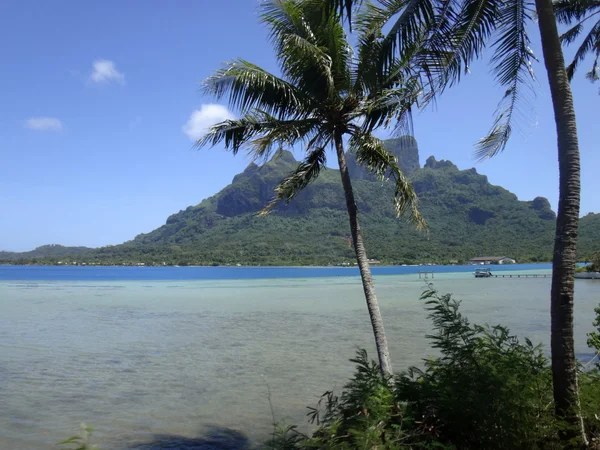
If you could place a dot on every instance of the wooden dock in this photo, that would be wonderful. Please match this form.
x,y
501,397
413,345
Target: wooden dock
x,y
523,275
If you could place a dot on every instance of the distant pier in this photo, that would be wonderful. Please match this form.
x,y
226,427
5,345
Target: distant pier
x,y
523,275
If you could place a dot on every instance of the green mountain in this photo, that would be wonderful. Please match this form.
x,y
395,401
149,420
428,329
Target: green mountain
x,y
589,236
467,217
45,251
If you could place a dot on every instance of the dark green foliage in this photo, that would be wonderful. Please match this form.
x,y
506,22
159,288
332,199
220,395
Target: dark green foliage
x,y
46,251
576,14
365,416
589,237
594,337
589,394
485,391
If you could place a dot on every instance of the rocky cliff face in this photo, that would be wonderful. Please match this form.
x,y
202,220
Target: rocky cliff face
x,y
433,163
543,208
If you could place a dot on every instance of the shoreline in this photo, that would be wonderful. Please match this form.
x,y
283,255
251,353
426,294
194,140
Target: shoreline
x,y
258,266
224,273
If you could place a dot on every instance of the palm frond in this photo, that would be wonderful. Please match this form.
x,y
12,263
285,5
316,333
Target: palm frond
x,y
389,106
580,11
373,75
569,36
344,7
569,11
306,172
591,43
413,20
260,133
594,74
304,60
512,63
371,153
464,35
248,86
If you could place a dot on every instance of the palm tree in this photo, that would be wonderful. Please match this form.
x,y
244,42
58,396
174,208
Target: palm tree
x,y
328,96
580,11
461,29
564,363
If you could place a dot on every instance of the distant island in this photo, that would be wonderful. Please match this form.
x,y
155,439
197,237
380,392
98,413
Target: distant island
x,y
467,217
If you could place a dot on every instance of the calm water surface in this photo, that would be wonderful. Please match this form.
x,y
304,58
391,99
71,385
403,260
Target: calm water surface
x,y
154,358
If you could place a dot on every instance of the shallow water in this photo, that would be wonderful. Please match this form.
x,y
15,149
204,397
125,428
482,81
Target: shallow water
x,y
189,364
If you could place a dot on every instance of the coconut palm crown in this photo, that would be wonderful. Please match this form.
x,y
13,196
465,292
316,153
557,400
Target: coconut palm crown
x,y
329,95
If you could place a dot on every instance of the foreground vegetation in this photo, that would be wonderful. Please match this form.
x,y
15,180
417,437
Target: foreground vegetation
x,y
486,391
594,265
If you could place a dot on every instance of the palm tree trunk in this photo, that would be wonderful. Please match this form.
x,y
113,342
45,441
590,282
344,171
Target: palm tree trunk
x,y
363,265
564,363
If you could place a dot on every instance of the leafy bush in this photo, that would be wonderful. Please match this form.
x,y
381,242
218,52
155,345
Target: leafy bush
x,y
365,416
485,391
589,393
594,337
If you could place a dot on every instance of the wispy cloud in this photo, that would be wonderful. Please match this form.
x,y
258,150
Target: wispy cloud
x,y
105,72
44,124
202,119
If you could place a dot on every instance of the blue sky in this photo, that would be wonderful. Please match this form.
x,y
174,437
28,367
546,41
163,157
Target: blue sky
x,y
99,102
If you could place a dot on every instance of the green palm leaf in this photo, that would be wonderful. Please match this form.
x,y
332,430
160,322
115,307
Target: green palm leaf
x,y
579,12
343,7
512,61
590,44
371,153
248,86
260,133
303,58
306,172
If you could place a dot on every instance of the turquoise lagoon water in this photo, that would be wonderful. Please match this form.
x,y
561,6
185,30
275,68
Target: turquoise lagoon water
x,y
182,358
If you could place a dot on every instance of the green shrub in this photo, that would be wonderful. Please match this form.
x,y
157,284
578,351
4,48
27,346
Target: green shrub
x,y
594,337
486,390
365,416
589,393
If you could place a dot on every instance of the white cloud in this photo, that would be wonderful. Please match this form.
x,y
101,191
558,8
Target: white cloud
x,y
44,124
202,119
105,71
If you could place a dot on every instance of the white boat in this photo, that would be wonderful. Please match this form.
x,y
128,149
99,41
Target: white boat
x,y
482,273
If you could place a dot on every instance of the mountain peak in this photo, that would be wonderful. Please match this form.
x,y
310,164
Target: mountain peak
x,y
284,155
433,163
